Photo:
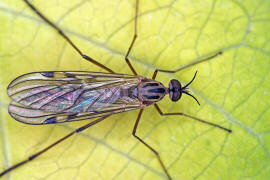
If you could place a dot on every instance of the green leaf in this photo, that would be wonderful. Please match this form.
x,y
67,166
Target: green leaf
x,y
233,89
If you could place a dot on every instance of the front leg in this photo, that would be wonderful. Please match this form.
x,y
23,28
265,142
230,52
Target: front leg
x,y
191,117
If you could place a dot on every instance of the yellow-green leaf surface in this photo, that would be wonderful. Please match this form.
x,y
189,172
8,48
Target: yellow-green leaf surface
x,y
233,89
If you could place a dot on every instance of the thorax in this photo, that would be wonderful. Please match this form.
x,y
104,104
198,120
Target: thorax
x,y
147,91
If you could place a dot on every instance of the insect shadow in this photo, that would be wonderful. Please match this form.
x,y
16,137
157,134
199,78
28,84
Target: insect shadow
x,y
51,97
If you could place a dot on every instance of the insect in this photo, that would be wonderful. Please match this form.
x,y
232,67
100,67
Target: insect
x,y
51,97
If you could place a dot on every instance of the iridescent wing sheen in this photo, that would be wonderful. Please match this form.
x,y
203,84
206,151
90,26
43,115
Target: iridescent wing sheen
x,y
61,96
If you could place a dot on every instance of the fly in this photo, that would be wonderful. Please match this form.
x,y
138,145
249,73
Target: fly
x,y
63,96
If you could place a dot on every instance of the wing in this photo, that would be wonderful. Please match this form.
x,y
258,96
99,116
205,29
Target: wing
x,y
60,96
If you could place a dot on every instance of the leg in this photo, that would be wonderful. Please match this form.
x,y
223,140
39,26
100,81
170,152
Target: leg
x,y
148,146
191,117
66,37
32,157
133,39
186,66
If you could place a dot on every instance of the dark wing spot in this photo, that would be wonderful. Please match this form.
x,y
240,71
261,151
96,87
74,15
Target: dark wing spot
x,y
50,120
48,74
72,116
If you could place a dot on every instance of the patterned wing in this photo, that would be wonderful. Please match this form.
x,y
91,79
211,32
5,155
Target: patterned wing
x,y
52,97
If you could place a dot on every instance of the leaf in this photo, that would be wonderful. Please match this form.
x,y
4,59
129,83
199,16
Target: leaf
x,y
233,89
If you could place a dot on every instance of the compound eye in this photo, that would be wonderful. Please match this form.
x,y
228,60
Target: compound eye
x,y
175,90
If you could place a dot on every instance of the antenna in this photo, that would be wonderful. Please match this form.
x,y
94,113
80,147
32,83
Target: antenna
x,y
185,88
